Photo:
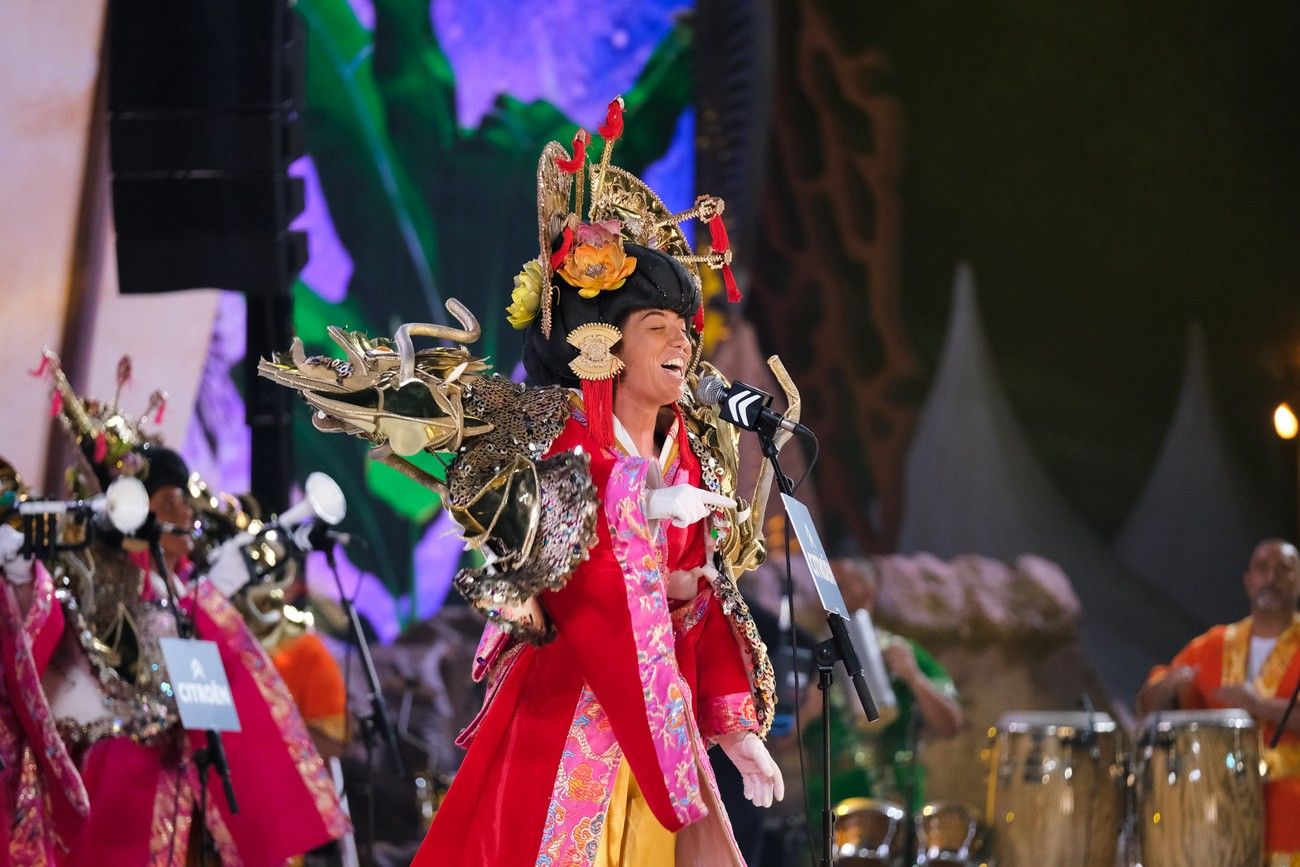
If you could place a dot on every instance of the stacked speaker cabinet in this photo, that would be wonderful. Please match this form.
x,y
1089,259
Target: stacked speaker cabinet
x,y
203,124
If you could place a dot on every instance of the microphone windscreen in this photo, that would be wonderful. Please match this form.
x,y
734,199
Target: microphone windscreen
x,y
710,390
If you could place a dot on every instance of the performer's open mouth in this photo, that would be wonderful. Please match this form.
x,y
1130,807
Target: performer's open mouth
x,y
676,367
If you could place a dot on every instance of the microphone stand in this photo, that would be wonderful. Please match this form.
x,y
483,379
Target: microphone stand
x,y
378,720
214,754
837,648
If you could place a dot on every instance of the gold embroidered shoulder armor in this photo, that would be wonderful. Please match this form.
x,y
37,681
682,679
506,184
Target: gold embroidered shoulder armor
x,y
531,518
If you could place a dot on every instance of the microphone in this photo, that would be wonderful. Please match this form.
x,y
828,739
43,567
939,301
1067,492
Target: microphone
x,y
122,508
317,536
169,529
744,406
94,507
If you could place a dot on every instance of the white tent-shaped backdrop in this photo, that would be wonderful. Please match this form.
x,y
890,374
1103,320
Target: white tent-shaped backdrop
x,y
974,486
1191,533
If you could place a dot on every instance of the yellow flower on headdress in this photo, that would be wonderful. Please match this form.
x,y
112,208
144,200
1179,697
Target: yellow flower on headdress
x,y
526,296
597,262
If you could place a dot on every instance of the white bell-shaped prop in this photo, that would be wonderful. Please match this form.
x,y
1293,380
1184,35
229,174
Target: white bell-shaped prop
x,y
126,503
323,499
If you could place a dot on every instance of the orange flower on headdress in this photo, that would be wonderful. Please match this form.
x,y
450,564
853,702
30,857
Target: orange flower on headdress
x,y
597,262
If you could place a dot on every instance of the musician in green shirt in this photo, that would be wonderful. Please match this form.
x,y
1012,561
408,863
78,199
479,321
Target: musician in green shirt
x,y
879,760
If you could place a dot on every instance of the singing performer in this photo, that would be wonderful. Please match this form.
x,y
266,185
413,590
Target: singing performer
x,y
603,498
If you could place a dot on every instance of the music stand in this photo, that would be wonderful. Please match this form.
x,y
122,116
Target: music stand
x,y
838,648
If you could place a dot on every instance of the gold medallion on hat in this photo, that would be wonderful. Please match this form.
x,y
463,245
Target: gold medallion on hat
x,y
594,342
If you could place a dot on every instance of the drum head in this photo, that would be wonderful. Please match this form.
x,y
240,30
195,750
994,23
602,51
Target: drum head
x,y
1047,722
868,832
947,833
1227,718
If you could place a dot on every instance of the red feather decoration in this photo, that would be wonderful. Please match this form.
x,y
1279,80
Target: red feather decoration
x,y
574,165
612,129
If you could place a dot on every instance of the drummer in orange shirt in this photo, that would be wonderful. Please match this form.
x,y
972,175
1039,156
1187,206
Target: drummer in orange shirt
x,y
1252,664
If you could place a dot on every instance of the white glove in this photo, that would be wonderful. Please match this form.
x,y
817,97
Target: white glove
x,y
12,565
684,504
228,572
762,777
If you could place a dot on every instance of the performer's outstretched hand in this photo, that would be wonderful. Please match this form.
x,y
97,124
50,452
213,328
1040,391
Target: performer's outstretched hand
x,y
762,777
684,504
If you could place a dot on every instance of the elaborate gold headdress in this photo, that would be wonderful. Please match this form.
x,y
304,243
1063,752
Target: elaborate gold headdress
x,y
587,253
622,208
106,437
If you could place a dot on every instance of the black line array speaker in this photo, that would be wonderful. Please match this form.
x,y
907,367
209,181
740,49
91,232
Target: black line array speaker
x,y
203,123
203,99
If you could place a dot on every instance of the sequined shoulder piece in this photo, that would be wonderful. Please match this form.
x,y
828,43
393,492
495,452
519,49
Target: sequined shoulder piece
x,y
532,518
522,421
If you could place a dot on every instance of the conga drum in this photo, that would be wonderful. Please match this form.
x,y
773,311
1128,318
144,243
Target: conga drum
x,y
1200,795
870,833
948,834
1056,789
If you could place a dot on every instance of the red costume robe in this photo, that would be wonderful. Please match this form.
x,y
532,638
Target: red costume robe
x,y
42,799
625,679
133,803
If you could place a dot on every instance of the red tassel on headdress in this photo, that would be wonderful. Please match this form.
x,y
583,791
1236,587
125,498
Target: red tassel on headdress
x,y
44,366
162,407
598,403
101,447
56,403
572,166
612,128
699,319
721,244
566,244
733,289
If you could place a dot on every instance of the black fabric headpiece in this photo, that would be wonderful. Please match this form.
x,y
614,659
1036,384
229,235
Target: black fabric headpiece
x,y
659,282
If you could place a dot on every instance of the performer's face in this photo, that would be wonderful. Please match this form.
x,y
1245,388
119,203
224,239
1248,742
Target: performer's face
x,y
169,505
655,351
1273,579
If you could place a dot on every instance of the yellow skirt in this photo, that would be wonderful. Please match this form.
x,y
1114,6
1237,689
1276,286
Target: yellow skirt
x,y
633,837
